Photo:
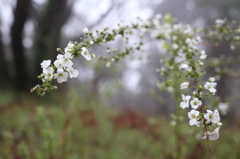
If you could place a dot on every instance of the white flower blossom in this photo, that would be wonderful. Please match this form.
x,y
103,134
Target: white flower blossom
x,y
70,45
213,117
184,85
91,42
200,63
60,57
195,103
72,72
158,16
85,30
174,46
45,63
212,79
48,72
203,55
86,54
58,64
170,89
189,69
108,64
61,76
219,21
173,123
223,107
211,87
185,103
66,60
212,135
184,66
193,114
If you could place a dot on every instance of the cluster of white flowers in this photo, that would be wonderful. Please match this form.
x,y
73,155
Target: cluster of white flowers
x,y
62,66
189,57
198,115
184,49
210,86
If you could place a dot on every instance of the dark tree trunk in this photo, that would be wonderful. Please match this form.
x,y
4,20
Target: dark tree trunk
x,y
4,75
48,32
20,16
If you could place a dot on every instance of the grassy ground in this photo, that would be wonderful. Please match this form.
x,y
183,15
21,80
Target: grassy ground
x,y
69,128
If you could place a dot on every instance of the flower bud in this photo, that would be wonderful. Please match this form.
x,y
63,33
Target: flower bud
x,y
59,50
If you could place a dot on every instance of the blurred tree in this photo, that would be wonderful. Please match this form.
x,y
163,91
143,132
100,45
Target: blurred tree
x,y
48,31
21,14
4,75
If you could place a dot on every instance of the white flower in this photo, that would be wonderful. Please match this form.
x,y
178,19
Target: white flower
x,y
85,30
86,54
60,57
72,73
185,102
203,55
193,114
212,135
223,107
212,116
219,21
158,16
184,85
108,64
173,123
70,45
212,79
199,39
48,72
184,66
46,63
68,55
66,60
61,76
189,69
91,42
216,117
188,40
174,46
195,103
58,64
219,124
170,89
210,86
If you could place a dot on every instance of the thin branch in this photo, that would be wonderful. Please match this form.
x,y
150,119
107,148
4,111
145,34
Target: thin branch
x,y
207,142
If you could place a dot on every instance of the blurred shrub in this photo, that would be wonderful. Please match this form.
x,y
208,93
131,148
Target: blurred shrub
x,y
86,130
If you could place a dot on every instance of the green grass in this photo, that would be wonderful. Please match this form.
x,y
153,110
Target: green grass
x,y
79,129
